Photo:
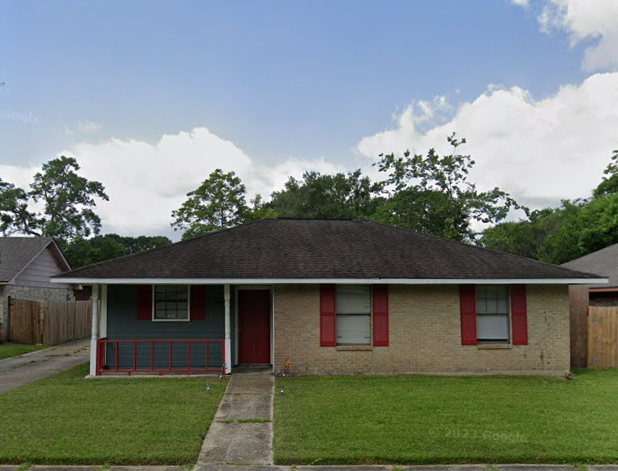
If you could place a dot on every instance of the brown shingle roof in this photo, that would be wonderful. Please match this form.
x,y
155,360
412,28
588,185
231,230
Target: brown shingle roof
x,y
324,249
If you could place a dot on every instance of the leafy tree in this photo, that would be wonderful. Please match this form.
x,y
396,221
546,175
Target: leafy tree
x,y
609,185
524,237
81,252
259,210
432,194
218,203
14,214
561,243
67,198
328,196
570,231
133,245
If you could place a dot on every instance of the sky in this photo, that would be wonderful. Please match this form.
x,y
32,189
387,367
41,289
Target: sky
x,y
152,96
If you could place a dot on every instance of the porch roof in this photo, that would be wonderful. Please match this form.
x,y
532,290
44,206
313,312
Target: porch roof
x,y
322,250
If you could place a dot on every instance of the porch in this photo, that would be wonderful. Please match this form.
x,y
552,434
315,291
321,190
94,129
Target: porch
x,y
224,326
158,357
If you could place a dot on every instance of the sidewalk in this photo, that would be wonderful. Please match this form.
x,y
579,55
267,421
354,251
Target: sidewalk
x,y
242,430
472,467
17,371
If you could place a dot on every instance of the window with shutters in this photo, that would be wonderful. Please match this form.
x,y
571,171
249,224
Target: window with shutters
x,y
492,314
353,307
171,303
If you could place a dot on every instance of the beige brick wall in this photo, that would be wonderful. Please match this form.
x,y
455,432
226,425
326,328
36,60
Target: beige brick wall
x,y
425,335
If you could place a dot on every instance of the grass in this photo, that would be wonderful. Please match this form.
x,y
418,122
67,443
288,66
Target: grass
x,y
429,420
13,349
66,419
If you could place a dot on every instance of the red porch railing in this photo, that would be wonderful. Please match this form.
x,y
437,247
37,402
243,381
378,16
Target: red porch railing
x,y
160,356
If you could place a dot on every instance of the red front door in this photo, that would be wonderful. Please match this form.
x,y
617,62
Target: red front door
x,y
253,326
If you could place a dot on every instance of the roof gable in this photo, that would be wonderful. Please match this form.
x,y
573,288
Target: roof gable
x,y
309,249
603,262
16,253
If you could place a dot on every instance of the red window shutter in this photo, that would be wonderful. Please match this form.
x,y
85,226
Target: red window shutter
x,y
380,315
197,304
144,302
519,321
327,316
467,303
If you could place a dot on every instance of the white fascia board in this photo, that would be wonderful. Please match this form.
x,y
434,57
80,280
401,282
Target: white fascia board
x,y
312,281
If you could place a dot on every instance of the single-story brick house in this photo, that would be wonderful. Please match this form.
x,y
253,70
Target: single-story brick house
x,y
26,265
329,297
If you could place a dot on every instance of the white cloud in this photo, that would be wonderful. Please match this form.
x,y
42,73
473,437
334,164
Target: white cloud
x,y
83,127
88,127
145,182
264,179
19,176
540,151
521,3
584,20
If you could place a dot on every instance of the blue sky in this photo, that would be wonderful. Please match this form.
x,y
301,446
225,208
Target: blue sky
x,y
288,84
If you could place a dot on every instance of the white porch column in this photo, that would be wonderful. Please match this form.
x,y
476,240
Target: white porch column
x,y
228,328
95,330
103,312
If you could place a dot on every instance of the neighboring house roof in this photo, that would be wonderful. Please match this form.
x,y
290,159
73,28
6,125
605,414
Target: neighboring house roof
x,y
603,262
16,253
284,250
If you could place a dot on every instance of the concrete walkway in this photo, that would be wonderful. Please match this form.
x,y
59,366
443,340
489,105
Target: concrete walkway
x,y
16,371
242,430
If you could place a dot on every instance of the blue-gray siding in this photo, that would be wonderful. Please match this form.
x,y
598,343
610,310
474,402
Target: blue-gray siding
x,y
122,324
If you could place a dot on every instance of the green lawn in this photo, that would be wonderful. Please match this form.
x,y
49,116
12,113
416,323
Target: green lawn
x,y
13,349
422,419
66,419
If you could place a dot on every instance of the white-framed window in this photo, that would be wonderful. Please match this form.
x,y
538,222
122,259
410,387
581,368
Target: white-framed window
x,y
492,313
353,307
170,303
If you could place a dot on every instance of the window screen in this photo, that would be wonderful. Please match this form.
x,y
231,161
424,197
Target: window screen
x,y
492,313
353,314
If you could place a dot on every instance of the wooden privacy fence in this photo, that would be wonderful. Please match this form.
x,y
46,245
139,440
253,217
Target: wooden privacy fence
x,y
603,337
48,322
65,321
24,326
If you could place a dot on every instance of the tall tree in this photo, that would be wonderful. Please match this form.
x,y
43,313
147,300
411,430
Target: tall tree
x,y
68,200
218,203
328,196
14,214
432,194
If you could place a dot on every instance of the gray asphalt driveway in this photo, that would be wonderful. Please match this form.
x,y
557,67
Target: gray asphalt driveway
x,y
23,369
